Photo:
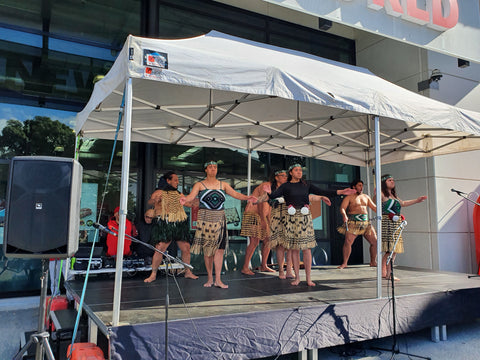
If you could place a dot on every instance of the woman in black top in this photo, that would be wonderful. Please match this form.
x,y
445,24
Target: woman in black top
x,y
298,226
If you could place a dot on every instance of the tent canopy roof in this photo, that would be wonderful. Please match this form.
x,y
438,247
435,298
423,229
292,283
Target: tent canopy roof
x,y
216,90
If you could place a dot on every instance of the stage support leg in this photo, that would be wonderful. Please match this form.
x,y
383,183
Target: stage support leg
x,y
92,331
443,333
439,333
435,334
308,354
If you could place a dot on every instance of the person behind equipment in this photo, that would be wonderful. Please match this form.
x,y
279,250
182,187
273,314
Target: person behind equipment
x,y
144,230
113,225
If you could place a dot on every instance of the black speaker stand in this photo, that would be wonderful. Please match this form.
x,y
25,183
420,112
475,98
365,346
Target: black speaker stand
x,y
395,348
40,338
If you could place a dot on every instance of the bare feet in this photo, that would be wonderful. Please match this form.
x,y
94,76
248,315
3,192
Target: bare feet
x,y
247,272
343,266
374,264
220,285
290,275
282,276
266,269
151,278
190,275
295,283
208,284
311,283
389,277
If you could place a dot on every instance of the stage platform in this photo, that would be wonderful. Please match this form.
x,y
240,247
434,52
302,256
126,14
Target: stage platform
x,y
261,315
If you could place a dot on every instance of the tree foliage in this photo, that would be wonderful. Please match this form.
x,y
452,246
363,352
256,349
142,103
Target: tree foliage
x,y
38,136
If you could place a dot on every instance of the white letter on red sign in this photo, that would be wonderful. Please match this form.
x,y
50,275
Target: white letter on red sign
x,y
414,14
450,9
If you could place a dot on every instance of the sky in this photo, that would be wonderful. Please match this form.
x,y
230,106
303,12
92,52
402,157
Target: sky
x,y
22,113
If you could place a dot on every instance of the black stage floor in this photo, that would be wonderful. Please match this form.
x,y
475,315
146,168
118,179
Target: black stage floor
x,y
261,315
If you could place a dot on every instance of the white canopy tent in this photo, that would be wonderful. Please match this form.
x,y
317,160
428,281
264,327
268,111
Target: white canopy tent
x,y
220,91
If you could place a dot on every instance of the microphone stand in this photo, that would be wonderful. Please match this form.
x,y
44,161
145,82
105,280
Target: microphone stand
x,y
168,262
463,195
395,348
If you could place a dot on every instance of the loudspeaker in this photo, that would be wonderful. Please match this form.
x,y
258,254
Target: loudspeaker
x,y
43,207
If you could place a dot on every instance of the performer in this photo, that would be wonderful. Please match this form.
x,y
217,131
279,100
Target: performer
x,y
113,225
278,211
211,235
298,226
171,224
391,219
255,225
357,222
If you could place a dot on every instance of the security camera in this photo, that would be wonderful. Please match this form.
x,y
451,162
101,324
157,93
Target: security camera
x,y
436,75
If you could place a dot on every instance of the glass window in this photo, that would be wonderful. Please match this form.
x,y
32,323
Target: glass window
x,y
53,79
106,23
232,162
94,155
180,19
50,52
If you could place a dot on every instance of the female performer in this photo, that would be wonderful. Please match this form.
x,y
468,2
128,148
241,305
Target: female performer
x,y
298,226
211,234
171,224
277,236
255,225
391,220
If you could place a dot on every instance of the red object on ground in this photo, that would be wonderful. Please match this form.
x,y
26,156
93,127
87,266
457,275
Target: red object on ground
x,y
85,351
58,303
476,229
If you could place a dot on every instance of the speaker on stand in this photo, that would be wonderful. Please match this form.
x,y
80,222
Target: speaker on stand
x,y
42,221
43,207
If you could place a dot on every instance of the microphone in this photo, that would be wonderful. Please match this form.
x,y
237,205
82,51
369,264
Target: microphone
x,y
458,192
103,228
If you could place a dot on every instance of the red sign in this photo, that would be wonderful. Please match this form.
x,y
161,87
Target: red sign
x,y
439,14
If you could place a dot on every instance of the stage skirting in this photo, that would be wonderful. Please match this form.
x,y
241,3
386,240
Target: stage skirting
x,y
221,324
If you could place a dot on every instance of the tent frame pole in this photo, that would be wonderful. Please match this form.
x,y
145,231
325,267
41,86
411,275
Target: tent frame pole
x,y
378,194
249,165
127,131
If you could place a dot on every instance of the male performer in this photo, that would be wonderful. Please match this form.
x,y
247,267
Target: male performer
x,y
357,222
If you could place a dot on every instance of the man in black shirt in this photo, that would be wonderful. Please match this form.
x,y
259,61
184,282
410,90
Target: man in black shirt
x,y
144,229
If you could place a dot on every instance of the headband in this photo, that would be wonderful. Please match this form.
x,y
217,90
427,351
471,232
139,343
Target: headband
x,y
294,166
280,172
209,163
386,177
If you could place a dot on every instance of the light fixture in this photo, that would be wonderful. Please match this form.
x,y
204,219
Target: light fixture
x,y
324,24
463,63
432,82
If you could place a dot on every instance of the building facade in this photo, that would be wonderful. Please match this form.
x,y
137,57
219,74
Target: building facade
x,y
52,52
